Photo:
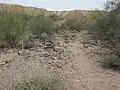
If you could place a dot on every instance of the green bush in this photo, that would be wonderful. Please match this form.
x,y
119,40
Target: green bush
x,y
63,26
44,28
13,27
95,17
41,84
112,63
55,17
107,29
76,23
43,24
16,27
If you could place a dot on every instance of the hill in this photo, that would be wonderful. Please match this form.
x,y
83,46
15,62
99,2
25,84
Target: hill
x,y
34,10
22,9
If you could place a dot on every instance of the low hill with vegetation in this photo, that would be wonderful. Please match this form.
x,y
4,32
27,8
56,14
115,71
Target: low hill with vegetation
x,y
19,19
22,9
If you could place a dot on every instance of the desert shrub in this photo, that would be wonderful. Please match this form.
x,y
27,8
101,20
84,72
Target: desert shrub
x,y
111,63
13,27
76,23
16,26
43,24
96,16
41,84
63,26
107,29
27,42
43,27
55,17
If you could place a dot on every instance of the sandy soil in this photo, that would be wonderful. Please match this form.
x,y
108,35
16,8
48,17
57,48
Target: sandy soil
x,y
75,58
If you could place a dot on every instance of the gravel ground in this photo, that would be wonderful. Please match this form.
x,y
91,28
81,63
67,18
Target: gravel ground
x,y
74,57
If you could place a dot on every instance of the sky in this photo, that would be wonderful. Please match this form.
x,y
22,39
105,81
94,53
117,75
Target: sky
x,y
60,4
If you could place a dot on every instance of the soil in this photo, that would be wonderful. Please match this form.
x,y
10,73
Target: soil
x,y
74,57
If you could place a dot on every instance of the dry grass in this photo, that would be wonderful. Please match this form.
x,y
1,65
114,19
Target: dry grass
x,y
41,84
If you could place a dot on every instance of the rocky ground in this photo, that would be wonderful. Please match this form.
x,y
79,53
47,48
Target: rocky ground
x,y
74,57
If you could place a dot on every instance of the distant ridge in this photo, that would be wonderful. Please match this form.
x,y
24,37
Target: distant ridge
x,y
33,10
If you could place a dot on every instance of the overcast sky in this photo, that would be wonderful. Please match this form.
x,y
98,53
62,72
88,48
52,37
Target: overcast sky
x,y
60,4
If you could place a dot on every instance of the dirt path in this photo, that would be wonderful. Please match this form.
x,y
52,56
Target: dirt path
x,y
84,73
75,61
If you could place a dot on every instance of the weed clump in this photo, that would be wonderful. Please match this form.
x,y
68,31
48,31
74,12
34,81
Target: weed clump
x,y
111,63
41,84
17,27
13,27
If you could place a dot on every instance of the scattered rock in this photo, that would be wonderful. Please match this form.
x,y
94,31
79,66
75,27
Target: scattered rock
x,y
2,63
54,58
59,65
49,45
5,62
20,52
45,54
2,46
66,41
38,64
29,45
85,46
